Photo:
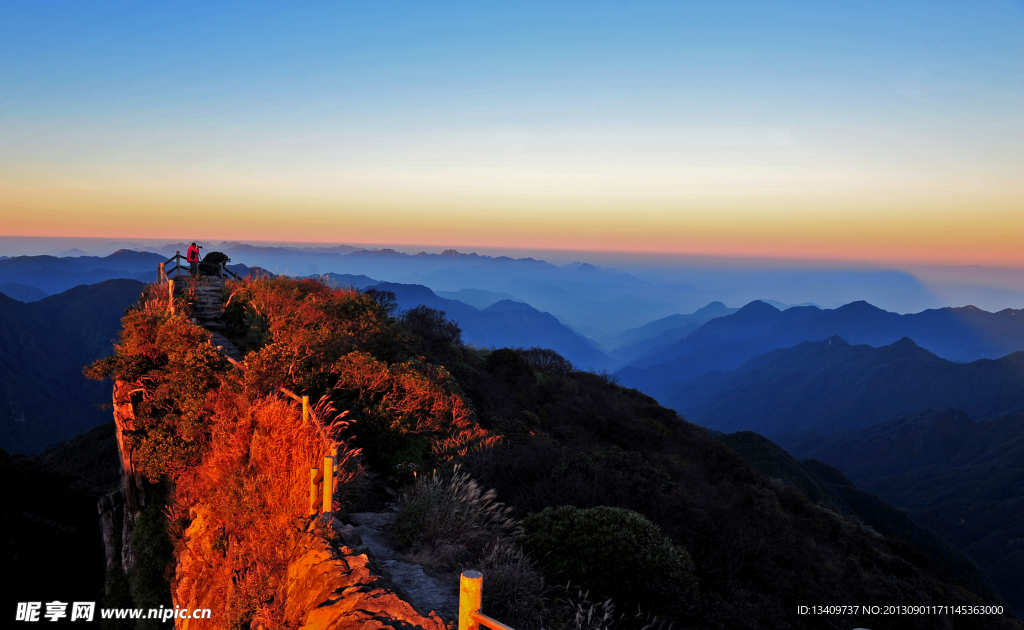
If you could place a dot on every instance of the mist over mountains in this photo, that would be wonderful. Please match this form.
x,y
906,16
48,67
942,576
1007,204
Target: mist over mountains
x,y
852,386
600,298
831,386
725,343
504,324
44,345
50,274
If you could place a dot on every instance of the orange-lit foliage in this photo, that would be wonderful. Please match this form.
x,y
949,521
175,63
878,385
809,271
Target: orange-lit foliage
x,y
309,326
422,399
252,484
173,369
238,452
339,342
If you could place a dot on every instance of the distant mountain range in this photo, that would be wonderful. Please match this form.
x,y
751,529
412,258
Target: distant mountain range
x,y
44,397
725,343
661,333
960,478
504,324
477,298
831,386
54,275
22,292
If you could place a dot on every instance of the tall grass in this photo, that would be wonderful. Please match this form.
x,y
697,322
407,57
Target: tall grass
x,y
251,486
450,519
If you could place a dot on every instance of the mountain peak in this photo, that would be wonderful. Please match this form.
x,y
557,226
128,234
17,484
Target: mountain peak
x,y
835,340
860,306
905,342
757,306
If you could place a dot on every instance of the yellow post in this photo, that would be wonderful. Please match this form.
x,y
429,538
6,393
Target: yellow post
x,y
328,485
305,409
314,492
334,455
170,295
161,275
471,590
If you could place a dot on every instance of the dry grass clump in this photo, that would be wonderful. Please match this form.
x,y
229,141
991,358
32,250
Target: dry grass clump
x,y
448,520
572,609
514,590
251,486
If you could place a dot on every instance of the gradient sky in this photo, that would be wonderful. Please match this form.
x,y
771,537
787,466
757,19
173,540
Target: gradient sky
x,y
889,132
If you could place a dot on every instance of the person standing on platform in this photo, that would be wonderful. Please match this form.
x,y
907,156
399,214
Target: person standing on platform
x,y
192,257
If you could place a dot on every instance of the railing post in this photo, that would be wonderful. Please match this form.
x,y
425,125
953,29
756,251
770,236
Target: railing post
x,y
314,491
471,590
161,275
177,261
328,485
305,409
170,296
222,271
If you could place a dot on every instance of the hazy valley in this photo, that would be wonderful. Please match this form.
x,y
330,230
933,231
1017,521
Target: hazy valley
x,y
855,387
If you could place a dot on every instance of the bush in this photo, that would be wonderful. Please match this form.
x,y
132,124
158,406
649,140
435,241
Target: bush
x,y
509,365
172,368
513,587
438,338
450,521
546,360
615,553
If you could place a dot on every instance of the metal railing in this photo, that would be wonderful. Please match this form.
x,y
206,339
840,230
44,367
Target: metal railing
x,y
471,592
163,273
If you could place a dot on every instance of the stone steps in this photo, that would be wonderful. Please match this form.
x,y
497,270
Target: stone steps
x,y
207,296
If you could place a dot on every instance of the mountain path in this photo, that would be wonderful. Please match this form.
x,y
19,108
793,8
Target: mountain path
x,y
425,592
206,293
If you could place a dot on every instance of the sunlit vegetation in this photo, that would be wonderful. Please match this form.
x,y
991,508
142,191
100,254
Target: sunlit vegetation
x,y
585,464
231,450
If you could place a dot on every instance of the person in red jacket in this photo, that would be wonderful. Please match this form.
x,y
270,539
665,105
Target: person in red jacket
x,y
192,257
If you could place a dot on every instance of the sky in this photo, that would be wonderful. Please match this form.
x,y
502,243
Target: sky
x,y
886,133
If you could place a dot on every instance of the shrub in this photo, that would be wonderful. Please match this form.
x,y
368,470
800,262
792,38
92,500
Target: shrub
x,y
386,299
613,552
451,520
172,368
438,338
546,360
572,609
514,590
509,365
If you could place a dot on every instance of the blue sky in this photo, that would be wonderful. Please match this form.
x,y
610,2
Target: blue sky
x,y
777,128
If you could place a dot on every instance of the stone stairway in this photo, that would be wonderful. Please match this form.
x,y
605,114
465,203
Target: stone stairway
x,y
207,300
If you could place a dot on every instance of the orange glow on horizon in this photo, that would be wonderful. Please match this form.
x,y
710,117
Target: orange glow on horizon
x,y
901,230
